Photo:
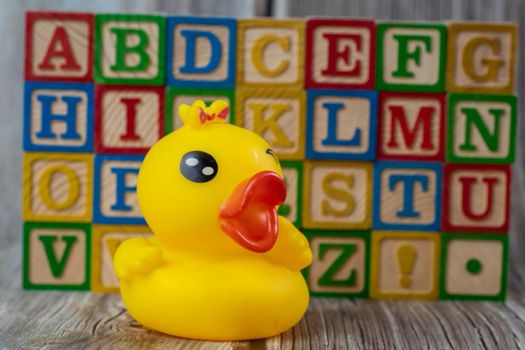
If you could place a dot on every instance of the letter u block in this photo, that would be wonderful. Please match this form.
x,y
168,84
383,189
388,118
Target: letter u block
x,y
59,46
129,49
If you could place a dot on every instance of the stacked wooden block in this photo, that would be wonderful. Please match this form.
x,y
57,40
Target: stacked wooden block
x,y
396,141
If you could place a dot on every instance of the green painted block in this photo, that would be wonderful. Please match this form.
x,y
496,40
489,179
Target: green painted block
x,y
293,177
129,49
481,129
411,57
473,266
56,256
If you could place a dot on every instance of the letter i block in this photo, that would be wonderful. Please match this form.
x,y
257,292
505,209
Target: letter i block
x,y
407,196
341,125
177,96
270,53
340,265
340,54
115,195
411,57
277,116
201,52
476,198
105,241
128,119
481,57
293,178
405,265
56,256
57,187
473,267
59,46
337,195
129,49
481,129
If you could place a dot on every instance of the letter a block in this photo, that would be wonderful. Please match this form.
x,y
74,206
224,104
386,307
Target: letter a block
x,y
128,119
476,198
129,49
115,194
293,178
56,256
201,52
59,46
481,57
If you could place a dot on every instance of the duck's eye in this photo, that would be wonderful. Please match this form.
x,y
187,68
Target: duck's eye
x,y
272,153
198,166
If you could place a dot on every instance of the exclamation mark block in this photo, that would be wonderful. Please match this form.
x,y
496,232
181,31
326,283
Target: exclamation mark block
x,y
406,257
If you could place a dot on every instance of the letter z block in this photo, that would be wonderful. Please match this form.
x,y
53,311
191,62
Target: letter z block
x,y
293,178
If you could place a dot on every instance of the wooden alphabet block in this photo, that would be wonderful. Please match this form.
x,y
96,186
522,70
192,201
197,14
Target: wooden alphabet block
x,y
105,241
404,265
115,190
129,49
277,116
56,256
411,57
293,178
341,124
337,195
59,46
411,126
340,265
340,53
481,57
407,196
474,267
476,198
201,52
270,53
128,119
481,129
57,187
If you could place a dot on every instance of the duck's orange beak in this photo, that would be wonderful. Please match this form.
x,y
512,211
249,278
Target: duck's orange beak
x,y
249,214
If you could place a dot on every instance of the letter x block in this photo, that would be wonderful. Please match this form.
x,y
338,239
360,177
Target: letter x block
x,y
293,178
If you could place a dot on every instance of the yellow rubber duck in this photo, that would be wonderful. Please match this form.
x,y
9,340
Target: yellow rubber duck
x,y
222,265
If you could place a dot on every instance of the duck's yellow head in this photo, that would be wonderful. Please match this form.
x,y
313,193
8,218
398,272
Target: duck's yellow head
x,y
211,185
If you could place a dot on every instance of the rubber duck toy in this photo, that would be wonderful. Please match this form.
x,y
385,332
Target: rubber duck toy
x,y
221,265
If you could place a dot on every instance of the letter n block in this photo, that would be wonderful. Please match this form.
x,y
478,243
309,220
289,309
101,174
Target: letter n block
x,y
201,52
56,256
59,46
293,178
129,49
476,198
115,194
340,54
481,57
128,119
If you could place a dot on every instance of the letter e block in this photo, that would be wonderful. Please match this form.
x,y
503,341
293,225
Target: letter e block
x,y
293,178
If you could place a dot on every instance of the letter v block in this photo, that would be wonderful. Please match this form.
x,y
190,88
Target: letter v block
x,y
56,256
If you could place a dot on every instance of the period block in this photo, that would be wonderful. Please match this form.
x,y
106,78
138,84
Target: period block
x,y
340,54
411,126
473,266
270,53
277,116
404,265
340,265
481,129
293,179
481,57
59,46
115,190
128,119
201,52
57,187
476,198
337,195
341,124
56,256
129,49
407,196
411,57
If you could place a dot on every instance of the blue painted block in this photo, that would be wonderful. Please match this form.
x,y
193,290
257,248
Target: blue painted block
x,y
407,196
201,52
341,124
58,117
